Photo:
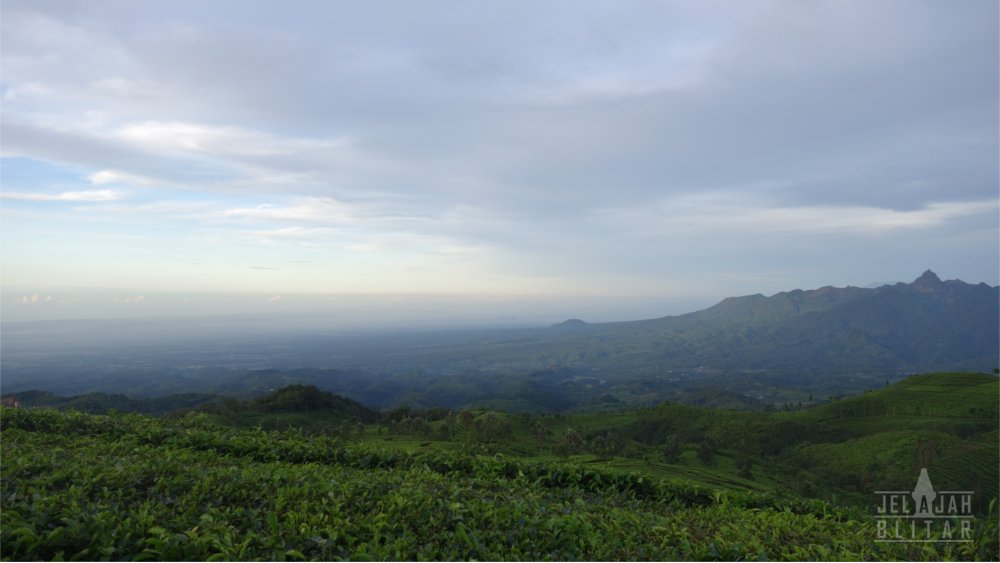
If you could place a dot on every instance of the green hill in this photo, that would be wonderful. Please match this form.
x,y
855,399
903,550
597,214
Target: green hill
x,y
945,422
294,406
957,396
295,398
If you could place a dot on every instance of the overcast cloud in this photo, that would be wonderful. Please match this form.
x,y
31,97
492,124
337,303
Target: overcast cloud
x,y
657,150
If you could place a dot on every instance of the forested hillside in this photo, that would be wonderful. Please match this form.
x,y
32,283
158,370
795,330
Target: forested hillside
x,y
923,326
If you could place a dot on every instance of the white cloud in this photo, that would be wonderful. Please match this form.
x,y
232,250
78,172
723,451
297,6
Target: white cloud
x,y
295,233
185,155
862,220
102,177
85,195
711,215
156,210
317,209
223,142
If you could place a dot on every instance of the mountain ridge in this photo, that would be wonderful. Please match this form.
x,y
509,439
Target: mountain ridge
x,y
926,325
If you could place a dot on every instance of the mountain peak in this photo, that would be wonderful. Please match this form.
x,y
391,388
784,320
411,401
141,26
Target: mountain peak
x,y
927,280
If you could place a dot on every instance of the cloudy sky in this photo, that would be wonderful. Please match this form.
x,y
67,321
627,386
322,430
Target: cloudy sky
x,y
656,152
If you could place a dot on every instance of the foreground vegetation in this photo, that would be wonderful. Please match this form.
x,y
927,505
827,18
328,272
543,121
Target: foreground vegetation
x,y
479,485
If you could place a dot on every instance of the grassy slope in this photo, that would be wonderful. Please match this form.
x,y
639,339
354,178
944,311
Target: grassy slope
x,y
846,449
945,422
129,487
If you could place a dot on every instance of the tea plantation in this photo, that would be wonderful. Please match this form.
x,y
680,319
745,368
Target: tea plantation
x,y
130,487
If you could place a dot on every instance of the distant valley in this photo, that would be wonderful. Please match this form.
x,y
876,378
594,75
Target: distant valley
x,y
750,352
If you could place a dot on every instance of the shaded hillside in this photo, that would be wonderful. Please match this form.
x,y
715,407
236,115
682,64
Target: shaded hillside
x,y
926,325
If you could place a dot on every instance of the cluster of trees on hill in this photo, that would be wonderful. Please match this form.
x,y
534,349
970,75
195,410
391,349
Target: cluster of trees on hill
x,y
298,398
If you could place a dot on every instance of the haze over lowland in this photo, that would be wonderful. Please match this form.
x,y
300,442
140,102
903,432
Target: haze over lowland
x,y
744,351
